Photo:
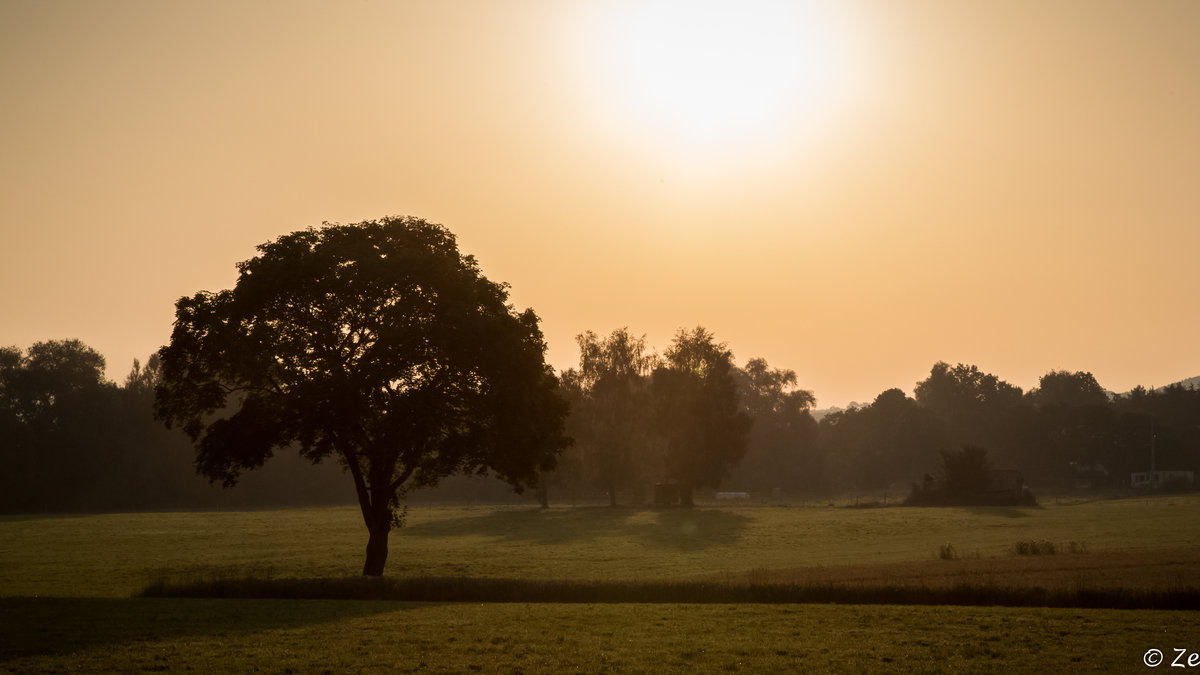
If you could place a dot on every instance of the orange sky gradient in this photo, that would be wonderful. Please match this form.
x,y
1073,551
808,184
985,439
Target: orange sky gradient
x,y
853,190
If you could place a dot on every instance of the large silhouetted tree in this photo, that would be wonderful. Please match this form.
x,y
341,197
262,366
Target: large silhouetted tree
x,y
698,412
377,343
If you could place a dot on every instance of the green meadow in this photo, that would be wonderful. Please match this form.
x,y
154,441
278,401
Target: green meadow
x,y
305,636
67,585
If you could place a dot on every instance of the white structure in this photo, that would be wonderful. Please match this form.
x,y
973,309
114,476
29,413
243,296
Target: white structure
x,y
1156,479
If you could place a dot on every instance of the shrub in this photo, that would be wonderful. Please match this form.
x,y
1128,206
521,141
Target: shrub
x,y
1034,547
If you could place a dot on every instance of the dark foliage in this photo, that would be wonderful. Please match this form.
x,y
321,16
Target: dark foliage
x,y
968,479
782,452
610,412
1065,434
73,442
674,423
705,432
378,345
873,447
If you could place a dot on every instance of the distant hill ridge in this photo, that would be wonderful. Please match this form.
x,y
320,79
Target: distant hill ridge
x,y
1191,382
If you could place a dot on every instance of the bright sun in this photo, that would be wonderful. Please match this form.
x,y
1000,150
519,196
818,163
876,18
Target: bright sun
x,y
705,73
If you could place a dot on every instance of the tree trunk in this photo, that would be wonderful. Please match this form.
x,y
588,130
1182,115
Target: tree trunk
x,y
612,495
685,496
543,494
377,549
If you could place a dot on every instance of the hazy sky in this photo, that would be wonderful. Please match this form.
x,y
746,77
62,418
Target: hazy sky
x,y
853,189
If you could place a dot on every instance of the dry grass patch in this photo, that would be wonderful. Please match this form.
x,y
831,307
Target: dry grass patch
x,y
1159,571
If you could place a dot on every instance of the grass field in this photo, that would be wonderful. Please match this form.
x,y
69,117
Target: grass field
x,y
116,555
84,570
275,636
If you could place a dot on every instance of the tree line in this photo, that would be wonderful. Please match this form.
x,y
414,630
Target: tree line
x,y
72,441
1068,432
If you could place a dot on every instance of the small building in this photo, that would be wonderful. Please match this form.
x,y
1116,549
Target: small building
x,y
666,494
1000,487
1005,485
1153,480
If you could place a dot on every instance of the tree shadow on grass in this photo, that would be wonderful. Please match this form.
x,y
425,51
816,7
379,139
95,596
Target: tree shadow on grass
x,y
543,526
693,529
676,528
32,627
1002,511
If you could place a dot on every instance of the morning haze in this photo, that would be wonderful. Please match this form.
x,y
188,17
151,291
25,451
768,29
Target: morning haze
x,y
768,336
1003,185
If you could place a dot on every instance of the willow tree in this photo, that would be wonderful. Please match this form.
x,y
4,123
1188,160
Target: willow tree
x,y
378,344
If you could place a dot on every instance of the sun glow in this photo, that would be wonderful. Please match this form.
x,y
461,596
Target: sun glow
x,y
706,73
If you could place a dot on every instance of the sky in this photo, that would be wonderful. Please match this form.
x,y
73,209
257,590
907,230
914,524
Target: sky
x,y
852,190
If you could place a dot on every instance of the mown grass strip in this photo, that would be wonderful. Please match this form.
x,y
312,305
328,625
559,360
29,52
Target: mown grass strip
x,y
465,589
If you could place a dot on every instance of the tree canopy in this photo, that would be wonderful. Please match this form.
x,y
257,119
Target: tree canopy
x,y
55,422
610,399
377,343
1060,387
964,391
698,411
781,450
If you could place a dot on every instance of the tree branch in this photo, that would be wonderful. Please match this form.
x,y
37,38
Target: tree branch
x,y
360,483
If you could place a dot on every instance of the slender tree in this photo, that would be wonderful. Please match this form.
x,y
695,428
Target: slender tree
x,y
613,378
